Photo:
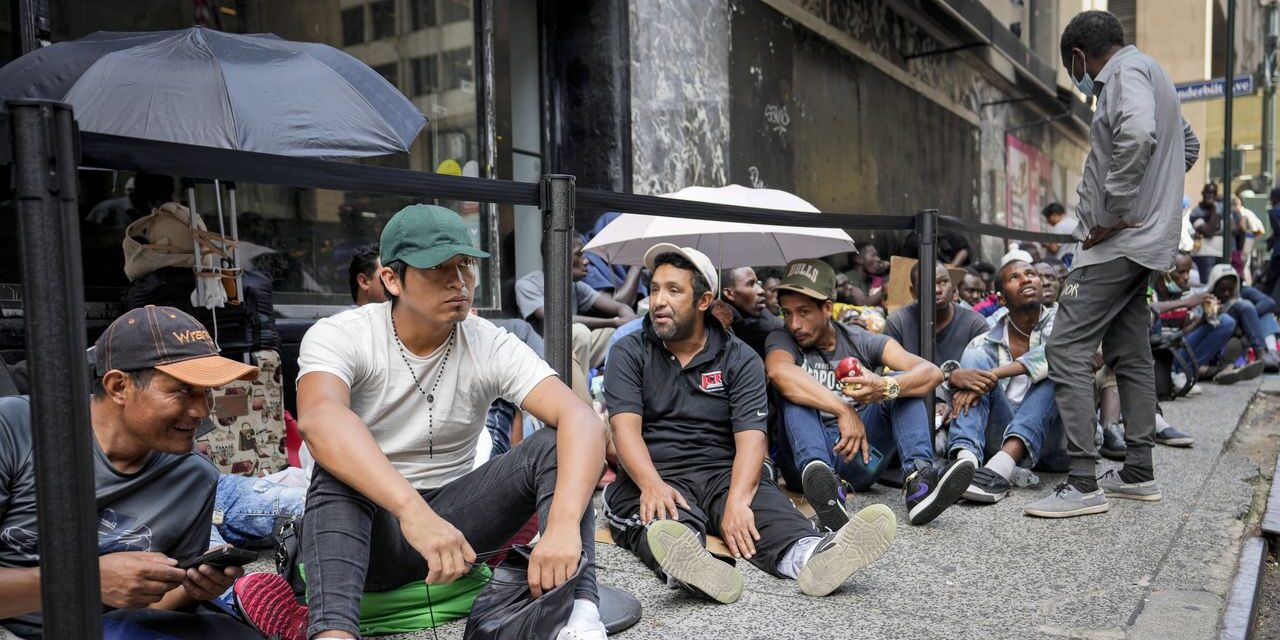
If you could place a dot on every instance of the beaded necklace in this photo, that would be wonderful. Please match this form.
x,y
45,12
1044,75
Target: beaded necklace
x,y
431,397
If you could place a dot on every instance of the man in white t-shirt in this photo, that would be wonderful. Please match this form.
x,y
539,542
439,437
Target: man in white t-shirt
x,y
391,400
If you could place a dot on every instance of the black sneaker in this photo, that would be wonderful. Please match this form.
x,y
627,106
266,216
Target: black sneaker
x,y
1171,437
823,491
1113,446
987,487
928,495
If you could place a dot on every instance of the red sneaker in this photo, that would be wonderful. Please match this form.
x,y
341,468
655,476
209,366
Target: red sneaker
x,y
266,601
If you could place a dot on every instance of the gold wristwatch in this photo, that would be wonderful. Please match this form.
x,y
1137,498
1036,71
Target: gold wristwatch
x,y
891,388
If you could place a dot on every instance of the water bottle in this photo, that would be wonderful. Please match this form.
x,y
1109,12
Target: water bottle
x,y
1023,477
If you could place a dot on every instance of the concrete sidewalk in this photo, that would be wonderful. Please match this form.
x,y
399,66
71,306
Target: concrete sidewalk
x,y
1144,570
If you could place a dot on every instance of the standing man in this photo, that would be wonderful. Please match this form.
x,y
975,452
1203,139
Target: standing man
x,y
1273,269
1130,224
1059,222
1207,221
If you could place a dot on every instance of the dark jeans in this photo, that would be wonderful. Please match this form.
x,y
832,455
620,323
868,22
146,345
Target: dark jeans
x,y
779,523
1207,340
1104,304
1250,323
350,545
153,624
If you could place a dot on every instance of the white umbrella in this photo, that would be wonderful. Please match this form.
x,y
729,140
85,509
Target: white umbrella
x,y
730,244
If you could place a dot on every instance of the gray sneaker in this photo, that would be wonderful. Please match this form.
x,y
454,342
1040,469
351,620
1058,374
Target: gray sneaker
x,y
680,553
862,540
1067,502
1113,486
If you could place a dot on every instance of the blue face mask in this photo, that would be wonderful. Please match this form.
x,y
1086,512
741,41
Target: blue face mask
x,y
1171,286
1085,83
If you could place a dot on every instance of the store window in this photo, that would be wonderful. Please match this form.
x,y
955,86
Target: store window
x,y
353,26
302,237
384,19
422,14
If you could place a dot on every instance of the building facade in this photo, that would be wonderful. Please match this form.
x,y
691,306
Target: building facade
x,y
859,106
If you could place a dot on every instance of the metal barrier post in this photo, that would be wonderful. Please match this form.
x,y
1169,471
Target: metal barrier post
x,y
557,193
44,138
927,229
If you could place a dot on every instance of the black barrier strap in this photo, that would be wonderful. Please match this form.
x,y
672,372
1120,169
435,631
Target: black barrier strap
x,y
170,158
956,224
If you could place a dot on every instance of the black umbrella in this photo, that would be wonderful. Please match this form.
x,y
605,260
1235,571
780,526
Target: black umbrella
x,y
213,89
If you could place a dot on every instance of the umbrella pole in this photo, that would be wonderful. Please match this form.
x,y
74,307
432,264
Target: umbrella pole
x,y
235,250
191,205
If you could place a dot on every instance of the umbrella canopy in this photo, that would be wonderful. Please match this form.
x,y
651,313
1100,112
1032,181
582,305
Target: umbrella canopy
x,y
728,244
213,89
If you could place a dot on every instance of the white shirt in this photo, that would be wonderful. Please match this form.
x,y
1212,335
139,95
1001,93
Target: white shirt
x,y
431,444
1066,226
1019,385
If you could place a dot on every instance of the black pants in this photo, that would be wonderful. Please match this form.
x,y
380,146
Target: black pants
x,y
1104,304
350,545
779,523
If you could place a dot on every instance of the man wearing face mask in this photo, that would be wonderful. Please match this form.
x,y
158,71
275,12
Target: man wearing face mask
x,y
1130,225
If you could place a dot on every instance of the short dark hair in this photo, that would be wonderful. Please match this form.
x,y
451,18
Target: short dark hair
x,y
729,277
700,284
816,302
764,273
141,378
1093,32
1052,261
1052,208
363,262
984,267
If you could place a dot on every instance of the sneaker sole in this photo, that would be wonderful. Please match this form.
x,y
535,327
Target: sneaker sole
x,y
857,544
822,490
983,497
265,607
951,486
680,553
1153,497
1252,370
1083,511
1176,442
1117,455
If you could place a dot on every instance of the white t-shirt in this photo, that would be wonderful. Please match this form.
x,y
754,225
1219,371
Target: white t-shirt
x,y
485,363
1065,226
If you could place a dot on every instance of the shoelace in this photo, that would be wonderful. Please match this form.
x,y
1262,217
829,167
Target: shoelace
x,y
1061,489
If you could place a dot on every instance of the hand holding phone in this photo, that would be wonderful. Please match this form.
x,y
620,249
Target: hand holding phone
x,y
222,557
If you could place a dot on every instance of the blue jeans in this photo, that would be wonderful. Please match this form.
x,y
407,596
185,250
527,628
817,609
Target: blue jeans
x,y
1262,302
498,421
154,624
245,510
995,419
1246,316
896,426
1207,341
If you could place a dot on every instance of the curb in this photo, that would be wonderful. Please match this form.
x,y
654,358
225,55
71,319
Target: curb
x,y
1241,614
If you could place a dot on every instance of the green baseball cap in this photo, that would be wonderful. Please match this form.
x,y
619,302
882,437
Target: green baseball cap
x,y
424,235
812,277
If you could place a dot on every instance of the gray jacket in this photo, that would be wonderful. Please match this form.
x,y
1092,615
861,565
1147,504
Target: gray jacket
x,y
1140,148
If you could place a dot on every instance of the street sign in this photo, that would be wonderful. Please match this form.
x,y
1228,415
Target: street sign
x,y
1216,88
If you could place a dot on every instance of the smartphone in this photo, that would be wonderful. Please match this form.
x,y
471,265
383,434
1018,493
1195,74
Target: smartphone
x,y
222,557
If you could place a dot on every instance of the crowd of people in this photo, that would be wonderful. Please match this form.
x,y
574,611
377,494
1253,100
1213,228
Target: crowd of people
x,y
703,401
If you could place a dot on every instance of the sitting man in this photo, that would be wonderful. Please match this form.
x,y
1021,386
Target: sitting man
x,y
954,326
154,368
688,407
1001,385
752,322
362,276
595,318
1048,282
376,385
851,427
1224,284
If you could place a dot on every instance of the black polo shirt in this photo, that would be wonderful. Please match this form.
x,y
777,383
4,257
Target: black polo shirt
x,y
689,413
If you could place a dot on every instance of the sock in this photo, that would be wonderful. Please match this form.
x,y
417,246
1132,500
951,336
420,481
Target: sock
x,y
1161,425
1083,484
1132,474
1271,343
1003,464
585,614
965,454
795,557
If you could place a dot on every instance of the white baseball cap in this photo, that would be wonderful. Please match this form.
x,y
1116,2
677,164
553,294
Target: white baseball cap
x,y
698,258
1015,255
